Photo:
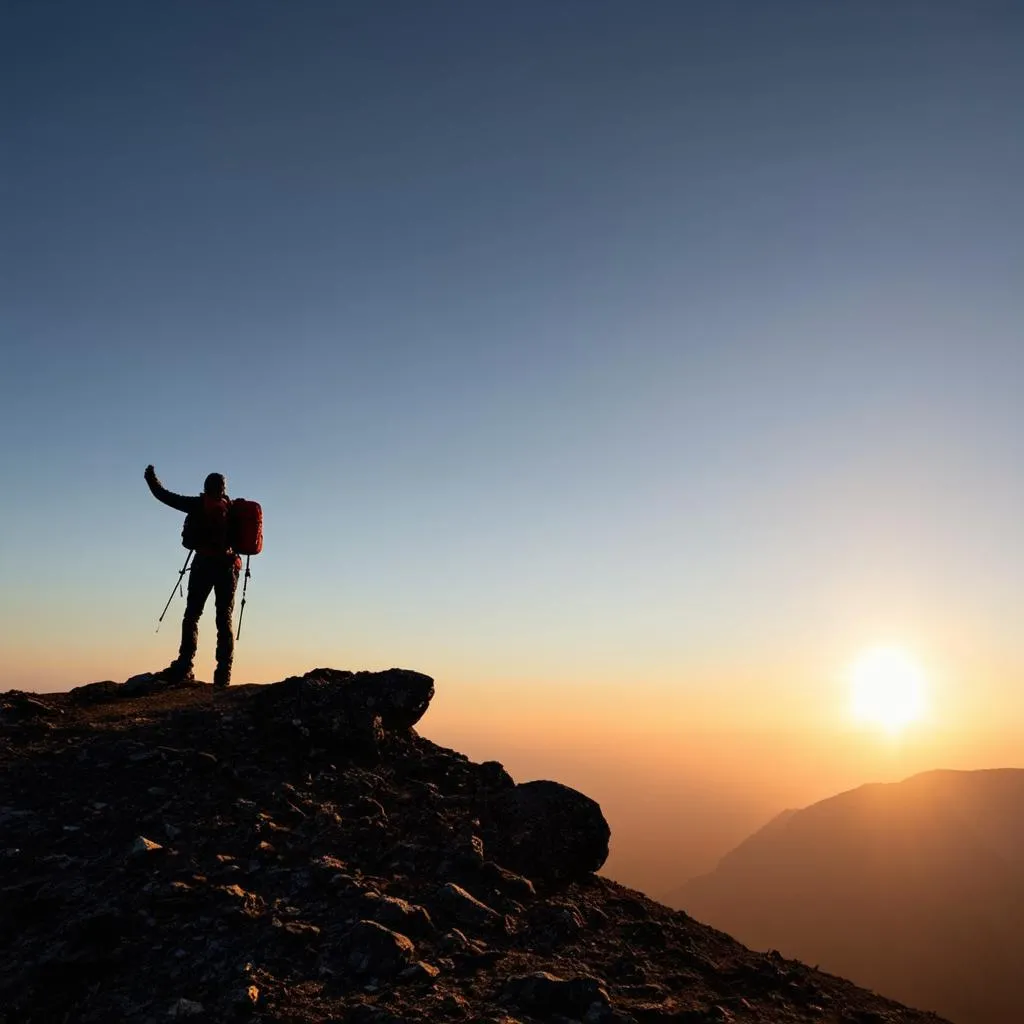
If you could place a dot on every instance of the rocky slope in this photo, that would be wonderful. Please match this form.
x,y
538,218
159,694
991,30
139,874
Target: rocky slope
x,y
296,852
914,888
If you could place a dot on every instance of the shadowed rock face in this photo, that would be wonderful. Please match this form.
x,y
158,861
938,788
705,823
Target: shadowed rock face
x,y
296,852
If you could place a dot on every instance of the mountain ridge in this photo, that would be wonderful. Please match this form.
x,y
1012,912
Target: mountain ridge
x,y
298,852
924,874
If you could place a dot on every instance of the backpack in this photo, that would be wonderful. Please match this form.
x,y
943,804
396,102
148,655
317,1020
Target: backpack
x,y
206,530
245,527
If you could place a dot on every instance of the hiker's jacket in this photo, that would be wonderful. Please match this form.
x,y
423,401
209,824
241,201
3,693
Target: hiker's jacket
x,y
192,505
186,503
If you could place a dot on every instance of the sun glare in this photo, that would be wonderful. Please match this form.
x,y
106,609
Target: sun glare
x,y
887,688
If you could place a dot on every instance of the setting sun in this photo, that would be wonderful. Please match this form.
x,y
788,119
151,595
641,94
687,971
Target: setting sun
x,y
887,688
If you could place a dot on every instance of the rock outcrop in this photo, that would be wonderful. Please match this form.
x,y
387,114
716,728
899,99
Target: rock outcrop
x,y
296,852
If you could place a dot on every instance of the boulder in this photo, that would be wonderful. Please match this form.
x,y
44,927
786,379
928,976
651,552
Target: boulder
x,y
467,909
345,714
493,776
142,684
545,830
377,951
399,696
508,883
398,913
554,923
96,693
143,846
543,995
421,971
18,705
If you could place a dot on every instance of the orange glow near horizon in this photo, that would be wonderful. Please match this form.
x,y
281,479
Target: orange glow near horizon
x,y
685,760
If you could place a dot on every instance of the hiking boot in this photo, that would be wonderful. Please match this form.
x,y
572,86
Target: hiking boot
x,y
222,678
175,674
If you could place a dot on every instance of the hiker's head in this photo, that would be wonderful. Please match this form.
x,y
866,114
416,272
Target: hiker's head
x,y
215,486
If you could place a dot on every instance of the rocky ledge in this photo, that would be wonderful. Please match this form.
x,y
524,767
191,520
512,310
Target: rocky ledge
x,y
296,852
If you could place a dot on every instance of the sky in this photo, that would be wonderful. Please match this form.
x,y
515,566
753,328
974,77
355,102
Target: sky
x,y
628,368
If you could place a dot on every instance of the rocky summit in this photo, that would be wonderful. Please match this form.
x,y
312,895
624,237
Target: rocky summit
x,y
297,852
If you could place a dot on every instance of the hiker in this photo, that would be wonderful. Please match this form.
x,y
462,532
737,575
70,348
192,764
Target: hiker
x,y
215,567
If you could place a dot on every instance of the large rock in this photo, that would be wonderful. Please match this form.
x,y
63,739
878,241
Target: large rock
x,y
15,704
545,830
345,714
399,696
542,994
466,908
378,951
145,683
141,684
96,693
398,914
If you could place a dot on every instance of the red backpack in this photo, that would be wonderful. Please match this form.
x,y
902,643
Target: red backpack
x,y
246,532
246,527
224,524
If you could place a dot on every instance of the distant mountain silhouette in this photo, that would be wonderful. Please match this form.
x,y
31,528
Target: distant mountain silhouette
x,y
914,889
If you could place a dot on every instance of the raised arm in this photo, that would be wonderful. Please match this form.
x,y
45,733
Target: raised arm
x,y
183,503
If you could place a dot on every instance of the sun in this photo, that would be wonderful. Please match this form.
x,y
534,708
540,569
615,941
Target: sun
x,y
887,688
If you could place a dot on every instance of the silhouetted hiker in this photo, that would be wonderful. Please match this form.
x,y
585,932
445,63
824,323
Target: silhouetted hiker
x,y
215,567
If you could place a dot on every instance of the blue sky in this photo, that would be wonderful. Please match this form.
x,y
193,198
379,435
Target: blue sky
x,y
668,347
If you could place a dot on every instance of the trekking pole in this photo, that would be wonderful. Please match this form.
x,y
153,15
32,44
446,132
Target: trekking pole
x,y
177,586
241,611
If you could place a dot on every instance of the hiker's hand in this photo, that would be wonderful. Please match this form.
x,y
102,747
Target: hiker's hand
x,y
150,474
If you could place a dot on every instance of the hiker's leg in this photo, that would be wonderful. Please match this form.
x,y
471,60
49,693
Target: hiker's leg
x,y
200,583
224,588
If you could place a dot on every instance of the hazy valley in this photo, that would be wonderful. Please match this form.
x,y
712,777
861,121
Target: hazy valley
x,y
915,889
